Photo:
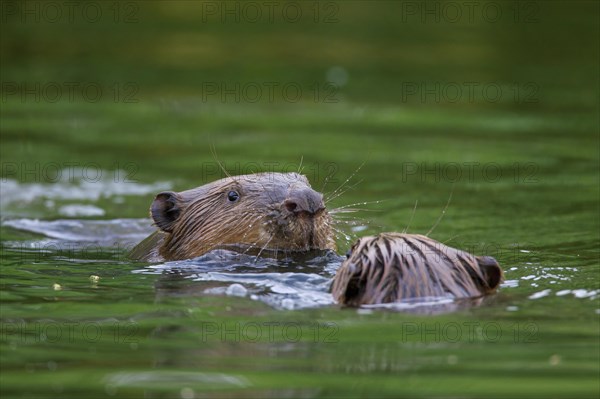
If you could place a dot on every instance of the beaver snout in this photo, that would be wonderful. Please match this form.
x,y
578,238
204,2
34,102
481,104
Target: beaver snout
x,y
304,201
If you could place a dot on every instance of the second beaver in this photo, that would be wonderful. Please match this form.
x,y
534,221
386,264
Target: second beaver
x,y
273,211
391,267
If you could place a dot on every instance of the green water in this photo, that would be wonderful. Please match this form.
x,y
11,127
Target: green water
x,y
156,84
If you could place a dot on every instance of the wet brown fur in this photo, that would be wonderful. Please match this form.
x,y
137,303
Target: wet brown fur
x,y
390,267
275,211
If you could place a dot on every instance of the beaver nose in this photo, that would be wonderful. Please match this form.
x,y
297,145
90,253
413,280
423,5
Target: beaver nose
x,y
305,200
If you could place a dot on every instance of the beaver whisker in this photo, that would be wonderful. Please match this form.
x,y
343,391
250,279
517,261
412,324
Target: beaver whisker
x,y
411,217
250,247
263,248
451,238
330,175
345,181
341,208
349,222
213,150
351,210
344,216
339,214
336,212
342,192
352,222
342,233
442,215
326,181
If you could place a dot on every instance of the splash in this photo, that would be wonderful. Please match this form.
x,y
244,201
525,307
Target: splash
x,y
68,188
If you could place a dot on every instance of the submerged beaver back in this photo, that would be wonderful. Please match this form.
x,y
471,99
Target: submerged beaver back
x,y
390,267
274,211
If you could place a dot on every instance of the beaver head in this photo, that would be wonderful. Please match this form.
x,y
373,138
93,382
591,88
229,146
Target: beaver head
x,y
275,211
390,267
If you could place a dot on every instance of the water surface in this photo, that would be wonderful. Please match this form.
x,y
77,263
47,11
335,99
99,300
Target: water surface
x,y
79,319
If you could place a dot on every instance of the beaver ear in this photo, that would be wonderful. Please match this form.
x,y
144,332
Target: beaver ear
x,y
491,271
165,210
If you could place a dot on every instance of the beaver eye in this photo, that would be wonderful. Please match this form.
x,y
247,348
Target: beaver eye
x,y
233,196
348,253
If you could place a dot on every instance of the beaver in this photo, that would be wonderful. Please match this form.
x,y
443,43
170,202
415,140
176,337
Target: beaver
x,y
390,267
273,211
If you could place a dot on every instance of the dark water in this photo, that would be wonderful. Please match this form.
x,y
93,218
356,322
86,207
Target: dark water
x,y
492,115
